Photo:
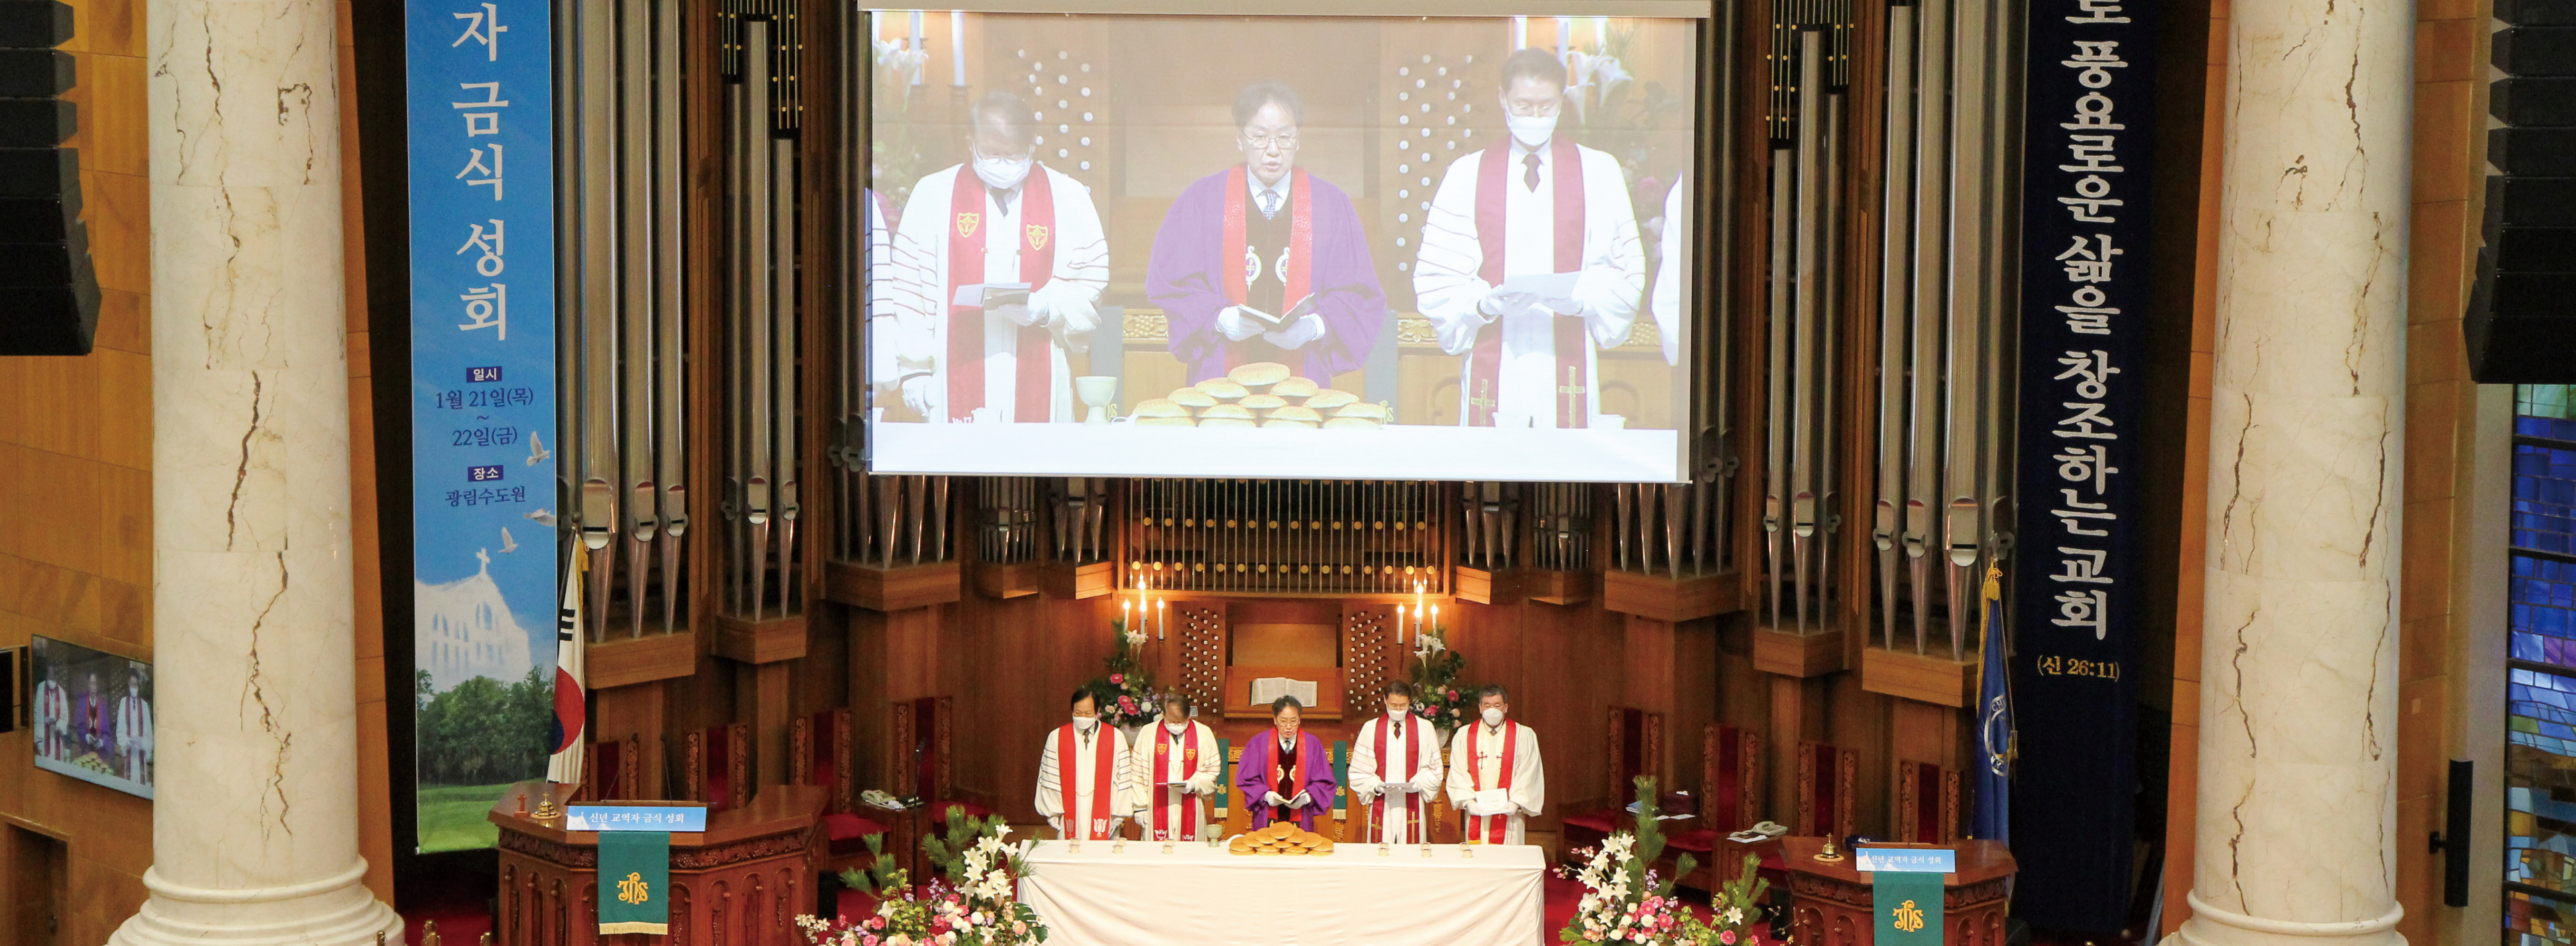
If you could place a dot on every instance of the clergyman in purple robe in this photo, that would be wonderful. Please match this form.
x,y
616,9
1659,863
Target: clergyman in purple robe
x,y
1265,262
1285,773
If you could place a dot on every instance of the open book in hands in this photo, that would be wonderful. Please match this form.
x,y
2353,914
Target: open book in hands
x,y
1269,322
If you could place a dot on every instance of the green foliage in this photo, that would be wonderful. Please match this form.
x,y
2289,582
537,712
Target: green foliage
x,y
1650,843
961,832
1438,696
483,731
880,879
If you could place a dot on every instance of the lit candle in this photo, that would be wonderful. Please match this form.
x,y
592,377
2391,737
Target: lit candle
x,y
1162,618
1520,32
957,45
1435,619
1564,32
1123,623
916,42
1399,624
1600,31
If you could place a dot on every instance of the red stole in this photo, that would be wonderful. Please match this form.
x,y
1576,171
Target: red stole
x,y
1491,829
1163,794
1484,364
1412,800
1105,781
1034,391
1239,272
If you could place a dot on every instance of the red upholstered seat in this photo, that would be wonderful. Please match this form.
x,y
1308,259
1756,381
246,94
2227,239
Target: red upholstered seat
x,y
1603,821
1698,841
848,833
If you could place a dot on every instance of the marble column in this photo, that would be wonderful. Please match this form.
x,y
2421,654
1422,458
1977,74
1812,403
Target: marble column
x,y
2298,713
254,819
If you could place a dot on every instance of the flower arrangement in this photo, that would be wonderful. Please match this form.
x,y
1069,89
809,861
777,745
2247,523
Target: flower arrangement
x,y
1626,901
1438,696
974,901
1126,694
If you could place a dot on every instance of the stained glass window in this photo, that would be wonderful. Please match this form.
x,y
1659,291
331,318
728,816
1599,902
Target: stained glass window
x,y
2540,750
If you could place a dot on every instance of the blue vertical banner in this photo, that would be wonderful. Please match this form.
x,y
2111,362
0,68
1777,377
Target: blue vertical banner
x,y
480,105
2088,115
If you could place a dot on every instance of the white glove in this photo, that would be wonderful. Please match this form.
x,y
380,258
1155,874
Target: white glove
x,y
1299,801
1235,325
1018,313
1298,333
1392,789
1056,822
1273,799
916,393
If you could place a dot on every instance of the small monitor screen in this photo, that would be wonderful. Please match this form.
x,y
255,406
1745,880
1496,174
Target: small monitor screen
x,y
1279,246
92,715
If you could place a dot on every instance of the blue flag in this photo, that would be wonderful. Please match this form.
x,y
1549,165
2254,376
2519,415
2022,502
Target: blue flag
x,y
1992,818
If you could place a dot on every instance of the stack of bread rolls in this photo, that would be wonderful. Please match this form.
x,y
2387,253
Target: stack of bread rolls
x,y
1283,839
1262,394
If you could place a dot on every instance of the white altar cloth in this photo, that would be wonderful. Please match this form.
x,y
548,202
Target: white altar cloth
x,y
1203,896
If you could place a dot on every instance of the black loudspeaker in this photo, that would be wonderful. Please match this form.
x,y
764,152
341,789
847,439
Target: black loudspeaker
x,y
2520,328
50,292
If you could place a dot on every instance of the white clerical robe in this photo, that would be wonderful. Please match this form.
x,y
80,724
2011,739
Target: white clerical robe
x,y
1370,777
134,736
883,283
53,719
1088,779
1174,766
1070,297
1673,247
1526,795
1447,280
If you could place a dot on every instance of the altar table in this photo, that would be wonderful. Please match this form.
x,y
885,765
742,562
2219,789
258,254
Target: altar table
x,y
1199,895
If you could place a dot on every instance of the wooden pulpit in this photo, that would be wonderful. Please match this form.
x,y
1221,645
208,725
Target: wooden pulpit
x,y
1829,903
739,883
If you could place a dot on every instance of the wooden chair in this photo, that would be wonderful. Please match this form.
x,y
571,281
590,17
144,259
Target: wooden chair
x,y
610,771
715,766
1635,739
819,753
1825,779
1927,804
1729,800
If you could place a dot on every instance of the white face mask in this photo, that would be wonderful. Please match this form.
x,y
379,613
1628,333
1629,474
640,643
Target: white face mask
x,y
1530,132
1493,716
1397,714
1179,727
1005,173
1085,723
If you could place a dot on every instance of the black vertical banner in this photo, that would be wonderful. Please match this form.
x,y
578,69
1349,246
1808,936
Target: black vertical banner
x,y
2088,105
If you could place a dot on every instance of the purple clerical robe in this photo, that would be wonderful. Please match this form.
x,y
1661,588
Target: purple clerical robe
x,y
1187,278
1313,775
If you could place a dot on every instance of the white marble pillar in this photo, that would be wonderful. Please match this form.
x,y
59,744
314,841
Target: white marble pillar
x,y
2298,713
254,819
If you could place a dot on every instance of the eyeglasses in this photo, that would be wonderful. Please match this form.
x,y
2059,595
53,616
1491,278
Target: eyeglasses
x,y
1022,156
1261,142
1524,109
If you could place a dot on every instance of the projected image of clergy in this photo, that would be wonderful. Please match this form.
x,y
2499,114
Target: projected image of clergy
x,y
1530,262
1263,261
999,263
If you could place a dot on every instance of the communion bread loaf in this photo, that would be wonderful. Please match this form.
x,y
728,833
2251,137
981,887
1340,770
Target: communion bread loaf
x,y
1222,389
1192,398
1293,412
1262,404
1363,409
1259,374
1331,398
1296,388
1226,412
1159,407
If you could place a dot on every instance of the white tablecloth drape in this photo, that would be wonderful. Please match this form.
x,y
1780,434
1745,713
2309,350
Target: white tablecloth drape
x,y
1202,896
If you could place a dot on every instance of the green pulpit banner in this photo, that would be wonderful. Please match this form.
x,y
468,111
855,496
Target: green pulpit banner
x,y
635,877
1906,908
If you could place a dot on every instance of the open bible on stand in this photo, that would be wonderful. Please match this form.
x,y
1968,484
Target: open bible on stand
x,y
1266,690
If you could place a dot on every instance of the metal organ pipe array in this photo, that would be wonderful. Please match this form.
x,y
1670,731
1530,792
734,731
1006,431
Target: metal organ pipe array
x,y
1940,426
760,40
1809,59
622,344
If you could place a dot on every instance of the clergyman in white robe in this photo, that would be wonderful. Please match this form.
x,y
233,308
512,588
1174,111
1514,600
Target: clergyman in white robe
x,y
1198,777
1089,781
1066,306
1372,778
1478,789
1673,247
1449,280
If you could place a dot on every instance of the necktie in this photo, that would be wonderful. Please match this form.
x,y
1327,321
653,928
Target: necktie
x,y
1269,204
1530,177
1399,729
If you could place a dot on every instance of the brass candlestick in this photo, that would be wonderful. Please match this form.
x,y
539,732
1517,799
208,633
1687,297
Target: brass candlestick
x,y
1829,855
546,810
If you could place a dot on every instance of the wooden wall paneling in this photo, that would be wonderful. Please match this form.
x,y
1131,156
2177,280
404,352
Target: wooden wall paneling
x,y
635,712
1695,702
1857,721
865,670
766,695
820,230
702,251
1861,183
1797,716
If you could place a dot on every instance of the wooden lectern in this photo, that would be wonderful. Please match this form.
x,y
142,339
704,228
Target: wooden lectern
x,y
1829,904
740,883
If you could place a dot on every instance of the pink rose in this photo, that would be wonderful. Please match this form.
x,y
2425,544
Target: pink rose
x,y
1118,679
1727,938
1127,703
876,922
